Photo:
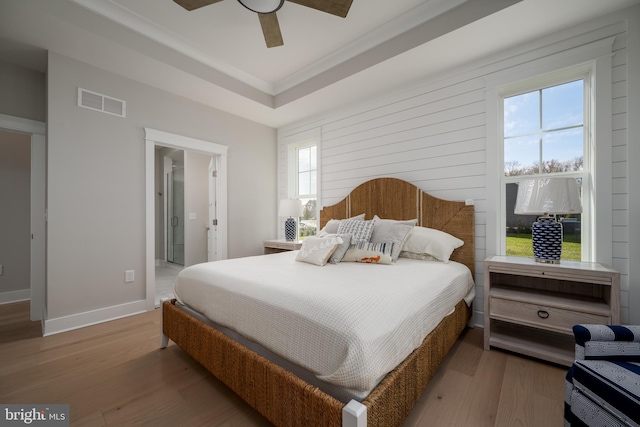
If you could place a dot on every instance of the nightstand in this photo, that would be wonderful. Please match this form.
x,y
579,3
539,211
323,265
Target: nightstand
x,y
280,245
530,308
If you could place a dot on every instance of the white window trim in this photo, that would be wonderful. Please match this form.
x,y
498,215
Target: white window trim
x,y
594,58
289,186
292,162
582,72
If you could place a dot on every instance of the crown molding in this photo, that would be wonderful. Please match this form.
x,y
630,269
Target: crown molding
x,y
401,24
130,19
116,12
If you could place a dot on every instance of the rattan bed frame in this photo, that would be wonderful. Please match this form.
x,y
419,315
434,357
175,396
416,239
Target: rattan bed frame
x,y
288,401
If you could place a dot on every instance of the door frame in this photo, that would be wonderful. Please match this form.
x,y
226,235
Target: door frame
x,y
154,137
38,249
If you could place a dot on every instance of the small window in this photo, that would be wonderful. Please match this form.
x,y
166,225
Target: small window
x,y
302,183
307,188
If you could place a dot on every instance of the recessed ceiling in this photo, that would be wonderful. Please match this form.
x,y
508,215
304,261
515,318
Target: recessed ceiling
x,y
216,55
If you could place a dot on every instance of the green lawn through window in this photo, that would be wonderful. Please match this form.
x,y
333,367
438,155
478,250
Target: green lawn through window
x,y
520,245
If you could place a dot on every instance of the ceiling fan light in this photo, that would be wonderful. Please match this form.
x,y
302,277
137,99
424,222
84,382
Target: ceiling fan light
x,y
262,6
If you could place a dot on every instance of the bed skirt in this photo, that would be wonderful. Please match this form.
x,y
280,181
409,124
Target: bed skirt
x,y
286,400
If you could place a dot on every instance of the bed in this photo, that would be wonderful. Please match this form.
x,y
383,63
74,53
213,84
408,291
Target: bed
x,y
292,392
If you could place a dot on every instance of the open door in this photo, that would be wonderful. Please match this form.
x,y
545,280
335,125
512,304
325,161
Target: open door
x,y
38,227
212,227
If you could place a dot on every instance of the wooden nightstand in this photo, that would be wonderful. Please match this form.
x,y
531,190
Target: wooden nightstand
x,y
280,245
530,308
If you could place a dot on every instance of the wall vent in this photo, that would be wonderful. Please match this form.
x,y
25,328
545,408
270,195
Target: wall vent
x,y
98,102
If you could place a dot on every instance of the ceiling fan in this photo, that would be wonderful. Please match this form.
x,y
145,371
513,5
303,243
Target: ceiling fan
x,y
266,10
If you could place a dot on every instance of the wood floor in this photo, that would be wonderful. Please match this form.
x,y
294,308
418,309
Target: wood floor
x,y
115,374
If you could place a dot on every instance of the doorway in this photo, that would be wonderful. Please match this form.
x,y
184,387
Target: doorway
x,y
35,132
218,154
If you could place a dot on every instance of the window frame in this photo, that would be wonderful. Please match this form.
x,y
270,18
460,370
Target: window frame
x,y
293,145
303,146
595,57
541,83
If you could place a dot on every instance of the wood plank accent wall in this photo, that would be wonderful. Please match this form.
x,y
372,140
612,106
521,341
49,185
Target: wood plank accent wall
x,y
434,136
620,168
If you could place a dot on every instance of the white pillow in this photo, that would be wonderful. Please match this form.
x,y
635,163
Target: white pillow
x,y
317,250
389,230
423,240
372,253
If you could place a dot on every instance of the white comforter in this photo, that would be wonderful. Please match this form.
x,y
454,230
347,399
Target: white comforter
x,y
349,323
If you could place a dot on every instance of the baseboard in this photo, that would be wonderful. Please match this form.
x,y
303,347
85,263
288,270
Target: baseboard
x,y
15,296
88,318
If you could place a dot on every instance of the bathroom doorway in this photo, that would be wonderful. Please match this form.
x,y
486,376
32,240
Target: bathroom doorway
x,y
199,157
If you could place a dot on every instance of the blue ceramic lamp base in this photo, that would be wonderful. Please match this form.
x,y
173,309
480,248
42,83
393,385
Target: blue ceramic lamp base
x,y
547,240
290,229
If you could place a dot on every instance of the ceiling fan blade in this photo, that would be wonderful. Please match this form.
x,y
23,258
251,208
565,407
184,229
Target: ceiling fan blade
x,y
335,7
271,29
195,4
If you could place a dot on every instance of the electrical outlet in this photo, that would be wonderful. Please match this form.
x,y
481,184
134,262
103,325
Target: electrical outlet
x,y
129,276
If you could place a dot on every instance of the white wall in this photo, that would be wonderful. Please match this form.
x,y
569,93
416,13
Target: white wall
x,y
23,92
435,136
96,184
15,215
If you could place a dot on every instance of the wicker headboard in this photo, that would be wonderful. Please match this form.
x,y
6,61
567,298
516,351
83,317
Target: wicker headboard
x,y
393,198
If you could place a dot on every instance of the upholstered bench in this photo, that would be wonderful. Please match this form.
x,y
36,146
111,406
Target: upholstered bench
x,y
602,386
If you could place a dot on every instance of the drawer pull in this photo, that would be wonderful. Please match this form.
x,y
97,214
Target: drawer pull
x,y
543,314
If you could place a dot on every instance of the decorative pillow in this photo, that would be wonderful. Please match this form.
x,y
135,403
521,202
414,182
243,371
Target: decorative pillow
x,y
373,253
389,230
317,250
360,230
423,240
341,249
331,227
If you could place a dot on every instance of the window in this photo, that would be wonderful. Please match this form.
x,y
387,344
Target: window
x,y
591,63
303,184
545,133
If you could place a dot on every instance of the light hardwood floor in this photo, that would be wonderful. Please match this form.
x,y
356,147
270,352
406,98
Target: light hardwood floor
x,y
115,374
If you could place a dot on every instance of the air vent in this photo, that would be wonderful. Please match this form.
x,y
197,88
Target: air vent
x,y
98,102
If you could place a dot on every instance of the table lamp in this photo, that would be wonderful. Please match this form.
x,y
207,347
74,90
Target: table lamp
x,y
545,196
290,208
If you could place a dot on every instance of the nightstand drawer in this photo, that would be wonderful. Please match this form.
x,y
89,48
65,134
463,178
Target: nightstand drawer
x,y
551,318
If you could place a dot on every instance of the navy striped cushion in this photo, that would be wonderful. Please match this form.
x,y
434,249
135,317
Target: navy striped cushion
x,y
584,333
614,386
610,342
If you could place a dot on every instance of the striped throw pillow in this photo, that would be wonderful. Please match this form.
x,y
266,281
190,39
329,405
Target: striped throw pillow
x,y
373,253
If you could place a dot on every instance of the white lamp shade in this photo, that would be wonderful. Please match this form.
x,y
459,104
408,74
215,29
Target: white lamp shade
x,y
548,195
290,207
262,6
